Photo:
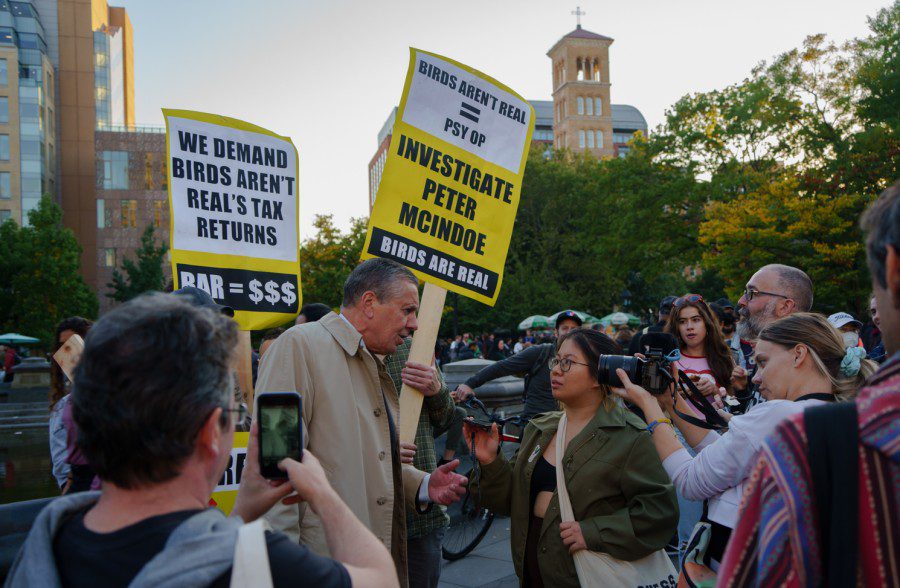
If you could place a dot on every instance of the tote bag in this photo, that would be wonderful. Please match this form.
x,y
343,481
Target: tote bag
x,y
596,569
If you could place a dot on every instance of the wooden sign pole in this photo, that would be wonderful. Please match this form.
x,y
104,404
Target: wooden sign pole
x,y
245,367
422,351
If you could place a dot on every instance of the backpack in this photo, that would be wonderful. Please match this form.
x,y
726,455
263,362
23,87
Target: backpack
x,y
541,364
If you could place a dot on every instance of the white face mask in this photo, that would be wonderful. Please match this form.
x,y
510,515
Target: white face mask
x,y
850,339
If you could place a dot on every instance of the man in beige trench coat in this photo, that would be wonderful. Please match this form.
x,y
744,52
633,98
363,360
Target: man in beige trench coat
x,y
351,408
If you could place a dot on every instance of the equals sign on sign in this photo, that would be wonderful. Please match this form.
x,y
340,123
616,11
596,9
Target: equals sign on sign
x,y
470,112
235,287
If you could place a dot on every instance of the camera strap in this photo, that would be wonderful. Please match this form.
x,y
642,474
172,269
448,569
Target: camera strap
x,y
713,420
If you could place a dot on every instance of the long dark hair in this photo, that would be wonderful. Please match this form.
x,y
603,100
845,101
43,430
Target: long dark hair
x,y
592,345
79,326
717,353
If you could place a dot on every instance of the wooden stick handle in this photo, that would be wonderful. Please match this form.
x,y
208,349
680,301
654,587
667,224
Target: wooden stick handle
x,y
245,367
422,351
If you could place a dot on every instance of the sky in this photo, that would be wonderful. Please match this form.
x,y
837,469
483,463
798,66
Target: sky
x,y
327,73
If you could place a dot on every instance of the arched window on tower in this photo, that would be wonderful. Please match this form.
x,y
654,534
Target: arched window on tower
x,y
580,105
598,107
599,139
579,63
590,140
590,107
595,75
581,139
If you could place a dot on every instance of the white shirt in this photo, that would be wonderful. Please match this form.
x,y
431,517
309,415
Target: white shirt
x,y
724,462
518,347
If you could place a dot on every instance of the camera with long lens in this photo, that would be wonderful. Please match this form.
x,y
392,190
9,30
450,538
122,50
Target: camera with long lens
x,y
653,374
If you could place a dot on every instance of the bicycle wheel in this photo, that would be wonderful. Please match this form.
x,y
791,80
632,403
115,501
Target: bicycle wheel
x,y
469,523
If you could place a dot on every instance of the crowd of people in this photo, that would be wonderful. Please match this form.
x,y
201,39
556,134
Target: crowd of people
x,y
772,457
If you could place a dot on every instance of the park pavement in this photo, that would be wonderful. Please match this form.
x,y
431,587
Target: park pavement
x,y
489,564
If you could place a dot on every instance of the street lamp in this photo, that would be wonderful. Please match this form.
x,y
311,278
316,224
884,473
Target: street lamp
x,y
548,154
626,298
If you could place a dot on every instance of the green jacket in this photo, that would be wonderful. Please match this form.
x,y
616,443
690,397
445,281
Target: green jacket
x,y
619,491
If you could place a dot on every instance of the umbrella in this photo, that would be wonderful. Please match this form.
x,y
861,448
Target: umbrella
x,y
17,339
537,321
616,319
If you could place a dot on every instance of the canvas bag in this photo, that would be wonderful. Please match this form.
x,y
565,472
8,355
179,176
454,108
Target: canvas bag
x,y
251,557
596,569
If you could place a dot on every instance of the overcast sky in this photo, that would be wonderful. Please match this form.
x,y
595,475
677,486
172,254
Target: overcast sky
x,y
328,73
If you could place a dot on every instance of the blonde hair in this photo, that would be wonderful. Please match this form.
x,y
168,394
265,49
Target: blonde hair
x,y
826,348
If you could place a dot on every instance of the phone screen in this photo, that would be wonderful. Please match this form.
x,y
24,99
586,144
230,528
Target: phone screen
x,y
279,432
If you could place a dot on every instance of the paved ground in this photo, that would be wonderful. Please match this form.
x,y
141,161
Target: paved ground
x,y
490,564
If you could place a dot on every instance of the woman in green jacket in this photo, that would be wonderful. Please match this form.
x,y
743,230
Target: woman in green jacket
x,y
623,501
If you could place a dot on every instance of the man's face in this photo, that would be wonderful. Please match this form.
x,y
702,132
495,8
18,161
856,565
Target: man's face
x,y
873,312
393,320
565,326
763,309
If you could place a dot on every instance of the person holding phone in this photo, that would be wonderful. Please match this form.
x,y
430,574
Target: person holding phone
x,y
160,441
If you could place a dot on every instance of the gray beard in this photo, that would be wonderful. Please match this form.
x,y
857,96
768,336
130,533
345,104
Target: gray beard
x,y
751,325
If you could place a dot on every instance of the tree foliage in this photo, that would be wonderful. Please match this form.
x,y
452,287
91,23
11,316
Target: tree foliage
x,y
143,274
327,258
40,280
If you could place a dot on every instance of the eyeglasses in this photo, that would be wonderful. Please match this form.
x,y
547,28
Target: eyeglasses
x,y
565,364
240,414
751,294
688,299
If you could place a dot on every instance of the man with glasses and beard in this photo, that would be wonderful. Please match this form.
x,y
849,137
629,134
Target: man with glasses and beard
x,y
773,292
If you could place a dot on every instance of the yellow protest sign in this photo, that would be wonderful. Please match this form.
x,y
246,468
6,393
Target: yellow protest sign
x,y
225,493
234,215
448,197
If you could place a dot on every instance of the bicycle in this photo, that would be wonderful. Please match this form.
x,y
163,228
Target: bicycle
x,y
469,521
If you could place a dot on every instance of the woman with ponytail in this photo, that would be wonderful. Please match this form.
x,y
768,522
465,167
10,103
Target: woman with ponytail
x,y
802,363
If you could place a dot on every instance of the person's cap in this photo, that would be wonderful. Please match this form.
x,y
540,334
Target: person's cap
x,y
666,304
724,303
568,315
839,319
200,298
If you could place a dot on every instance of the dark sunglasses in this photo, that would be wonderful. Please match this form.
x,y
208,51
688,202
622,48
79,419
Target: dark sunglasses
x,y
688,299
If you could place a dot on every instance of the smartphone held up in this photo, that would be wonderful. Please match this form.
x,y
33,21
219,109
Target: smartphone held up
x,y
280,431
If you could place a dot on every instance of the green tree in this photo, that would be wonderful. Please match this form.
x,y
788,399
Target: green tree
x,y
328,257
41,284
143,274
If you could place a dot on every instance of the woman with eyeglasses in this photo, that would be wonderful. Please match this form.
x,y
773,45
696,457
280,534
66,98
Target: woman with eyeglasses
x,y
623,502
802,362
705,357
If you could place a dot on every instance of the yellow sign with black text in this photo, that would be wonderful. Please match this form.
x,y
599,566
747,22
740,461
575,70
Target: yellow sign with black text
x,y
447,201
233,212
225,492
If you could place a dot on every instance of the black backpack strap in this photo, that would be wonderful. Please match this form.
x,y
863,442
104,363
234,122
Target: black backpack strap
x,y
832,452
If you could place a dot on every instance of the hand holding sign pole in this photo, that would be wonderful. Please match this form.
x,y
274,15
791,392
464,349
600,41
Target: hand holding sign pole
x,y
448,197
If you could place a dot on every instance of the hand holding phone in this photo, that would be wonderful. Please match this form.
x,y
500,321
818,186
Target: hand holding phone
x,y
280,431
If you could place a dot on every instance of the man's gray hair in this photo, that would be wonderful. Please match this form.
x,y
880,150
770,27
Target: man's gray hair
x,y
152,372
881,223
795,284
378,275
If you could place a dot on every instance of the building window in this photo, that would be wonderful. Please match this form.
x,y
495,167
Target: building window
x,y
157,213
598,107
114,170
4,147
580,105
129,213
599,139
590,140
101,213
4,109
109,257
581,139
5,191
4,77
148,171
590,107
5,215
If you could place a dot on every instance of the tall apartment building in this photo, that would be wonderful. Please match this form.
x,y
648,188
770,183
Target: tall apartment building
x,y
27,112
96,94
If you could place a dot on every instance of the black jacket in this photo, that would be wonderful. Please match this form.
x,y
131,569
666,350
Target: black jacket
x,y
533,363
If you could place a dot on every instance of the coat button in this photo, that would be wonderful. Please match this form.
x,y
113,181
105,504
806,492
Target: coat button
x,y
377,412
381,501
381,455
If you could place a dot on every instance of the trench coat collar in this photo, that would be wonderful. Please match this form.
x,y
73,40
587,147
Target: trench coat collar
x,y
343,332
